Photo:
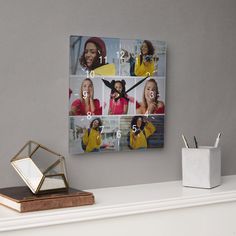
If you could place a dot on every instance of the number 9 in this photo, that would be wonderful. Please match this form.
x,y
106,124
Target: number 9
x,y
85,94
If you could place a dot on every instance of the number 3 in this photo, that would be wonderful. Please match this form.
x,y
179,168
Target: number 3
x,y
151,94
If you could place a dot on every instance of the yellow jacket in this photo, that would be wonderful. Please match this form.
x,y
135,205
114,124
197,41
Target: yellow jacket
x,y
142,70
92,140
140,140
108,69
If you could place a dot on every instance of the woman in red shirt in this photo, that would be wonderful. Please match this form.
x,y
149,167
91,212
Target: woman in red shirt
x,y
150,103
86,105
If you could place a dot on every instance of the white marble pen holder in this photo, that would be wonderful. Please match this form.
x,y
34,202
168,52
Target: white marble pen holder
x,y
201,167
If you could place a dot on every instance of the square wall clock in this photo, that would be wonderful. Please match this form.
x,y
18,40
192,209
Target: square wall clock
x,y
116,94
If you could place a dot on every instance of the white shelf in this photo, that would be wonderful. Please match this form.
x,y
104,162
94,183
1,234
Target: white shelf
x,y
123,201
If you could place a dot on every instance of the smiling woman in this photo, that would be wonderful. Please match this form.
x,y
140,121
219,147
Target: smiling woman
x,y
144,62
94,54
94,57
150,103
92,138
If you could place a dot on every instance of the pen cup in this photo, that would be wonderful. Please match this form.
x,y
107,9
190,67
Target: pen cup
x,y
201,167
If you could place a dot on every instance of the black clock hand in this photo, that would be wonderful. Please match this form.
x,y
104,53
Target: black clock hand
x,y
122,95
108,84
134,86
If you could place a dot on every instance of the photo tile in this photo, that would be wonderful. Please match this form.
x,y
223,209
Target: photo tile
x,y
81,90
93,134
98,54
136,53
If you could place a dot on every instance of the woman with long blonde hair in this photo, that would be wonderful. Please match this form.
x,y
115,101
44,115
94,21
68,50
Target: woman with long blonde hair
x,y
86,104
150,103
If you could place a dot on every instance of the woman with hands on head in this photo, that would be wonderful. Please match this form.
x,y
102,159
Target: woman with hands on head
x,y
86,104
141,130
150,103
92,139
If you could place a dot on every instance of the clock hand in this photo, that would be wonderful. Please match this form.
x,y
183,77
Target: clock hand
x,y
134,86
122,95
108,84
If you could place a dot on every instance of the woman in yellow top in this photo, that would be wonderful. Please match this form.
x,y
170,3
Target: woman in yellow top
x,y
141,129
94,57
144,63
92,138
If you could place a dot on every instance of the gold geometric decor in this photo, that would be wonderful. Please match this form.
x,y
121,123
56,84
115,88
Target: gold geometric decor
x,y
42,169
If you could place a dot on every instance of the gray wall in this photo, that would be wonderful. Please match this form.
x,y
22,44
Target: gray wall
x,y
201,81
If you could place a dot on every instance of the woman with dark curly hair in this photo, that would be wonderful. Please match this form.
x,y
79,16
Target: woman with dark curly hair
x,y
140,130
120,106
92,139
94,57
144,63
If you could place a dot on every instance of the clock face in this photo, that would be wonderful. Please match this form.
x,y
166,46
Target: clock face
x,y
116,94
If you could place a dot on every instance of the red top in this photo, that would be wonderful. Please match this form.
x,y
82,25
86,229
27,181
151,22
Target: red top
x,y
117,107
80,108
158,110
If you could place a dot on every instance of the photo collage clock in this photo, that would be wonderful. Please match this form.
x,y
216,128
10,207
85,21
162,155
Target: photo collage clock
x,y
116,94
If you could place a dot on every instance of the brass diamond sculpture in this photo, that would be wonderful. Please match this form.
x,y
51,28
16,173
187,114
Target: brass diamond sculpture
x,y
42,169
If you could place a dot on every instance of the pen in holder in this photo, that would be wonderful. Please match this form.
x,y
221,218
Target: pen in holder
x,y
201,167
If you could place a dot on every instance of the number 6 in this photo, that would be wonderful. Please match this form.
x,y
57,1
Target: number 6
x,y
118,134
